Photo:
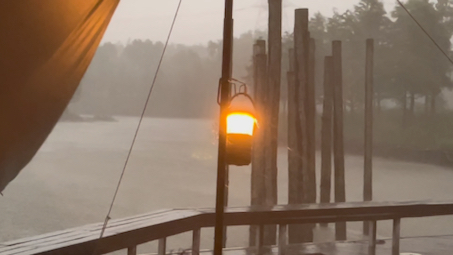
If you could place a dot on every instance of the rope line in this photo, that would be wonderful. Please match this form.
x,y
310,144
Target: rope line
x,y
424,31
107,218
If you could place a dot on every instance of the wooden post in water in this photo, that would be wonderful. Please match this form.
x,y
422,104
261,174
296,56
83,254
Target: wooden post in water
x,y
259,148
301,48
273,109
326,133
368,155
338,143
294,159
310,136
310,107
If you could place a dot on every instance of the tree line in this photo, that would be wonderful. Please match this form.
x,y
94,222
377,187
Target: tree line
x,y
408,66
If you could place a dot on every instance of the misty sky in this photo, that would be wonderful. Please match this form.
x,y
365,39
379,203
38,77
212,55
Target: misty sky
x,y
202,20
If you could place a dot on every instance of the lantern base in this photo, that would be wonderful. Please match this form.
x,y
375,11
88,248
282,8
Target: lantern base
x,y
239,149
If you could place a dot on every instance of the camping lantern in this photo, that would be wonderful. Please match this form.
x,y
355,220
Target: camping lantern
x,y
241,122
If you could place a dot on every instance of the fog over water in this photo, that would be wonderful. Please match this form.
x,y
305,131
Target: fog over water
x,y
72,179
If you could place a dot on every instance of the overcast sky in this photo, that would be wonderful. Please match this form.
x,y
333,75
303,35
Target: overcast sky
x,y
202,20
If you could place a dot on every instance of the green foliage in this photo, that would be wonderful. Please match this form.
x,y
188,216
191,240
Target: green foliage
x,y
406,61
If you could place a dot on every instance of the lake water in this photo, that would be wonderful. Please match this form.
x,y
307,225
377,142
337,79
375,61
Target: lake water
x,y
72,179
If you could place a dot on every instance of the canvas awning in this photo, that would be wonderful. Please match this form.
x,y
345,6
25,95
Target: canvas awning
x,y
45,49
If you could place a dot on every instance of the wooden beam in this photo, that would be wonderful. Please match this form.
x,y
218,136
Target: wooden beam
x,y
338,144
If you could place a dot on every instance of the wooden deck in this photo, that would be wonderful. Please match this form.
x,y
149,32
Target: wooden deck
x,y
129,232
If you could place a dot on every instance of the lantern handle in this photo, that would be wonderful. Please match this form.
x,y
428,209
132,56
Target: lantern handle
x,y
243,85
233,85
244,94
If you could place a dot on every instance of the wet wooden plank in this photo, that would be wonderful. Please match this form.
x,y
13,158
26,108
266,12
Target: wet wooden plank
x,y
116,236
92,230
356,211
95,227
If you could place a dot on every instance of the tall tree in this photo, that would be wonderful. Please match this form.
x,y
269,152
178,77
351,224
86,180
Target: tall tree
x,y
419,67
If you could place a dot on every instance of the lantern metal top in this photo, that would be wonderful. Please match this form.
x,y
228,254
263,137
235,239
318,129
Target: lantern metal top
x,y
242,103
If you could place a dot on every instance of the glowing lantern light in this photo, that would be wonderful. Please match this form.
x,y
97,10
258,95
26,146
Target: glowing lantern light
x,y
241,123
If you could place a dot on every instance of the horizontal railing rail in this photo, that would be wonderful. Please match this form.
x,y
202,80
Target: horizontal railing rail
x,y
130,232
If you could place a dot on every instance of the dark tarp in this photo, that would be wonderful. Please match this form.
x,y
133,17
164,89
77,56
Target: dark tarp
x,y
45,48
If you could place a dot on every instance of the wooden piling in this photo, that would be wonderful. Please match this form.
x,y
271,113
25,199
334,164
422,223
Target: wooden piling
x,y
294,159
293,156
310,107
326,133
259,147
368,146
301,50
273,106
338,144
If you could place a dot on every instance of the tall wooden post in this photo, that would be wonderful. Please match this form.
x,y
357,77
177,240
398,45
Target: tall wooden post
x,y
368,155
294,159
326,133
338,144
273,95
301,48
310,107
259,148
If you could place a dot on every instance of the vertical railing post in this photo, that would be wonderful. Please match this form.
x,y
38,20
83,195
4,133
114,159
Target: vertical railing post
x,y
162,248
372,238
132,250
260,242
396,236
282,239
196,241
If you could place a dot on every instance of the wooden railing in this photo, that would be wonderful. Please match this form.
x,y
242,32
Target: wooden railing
x,y
129,232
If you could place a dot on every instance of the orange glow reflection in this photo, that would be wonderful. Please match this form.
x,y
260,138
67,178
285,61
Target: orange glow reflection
x,y
240,123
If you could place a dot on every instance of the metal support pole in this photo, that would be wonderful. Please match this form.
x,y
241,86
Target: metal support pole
x,y
224,99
